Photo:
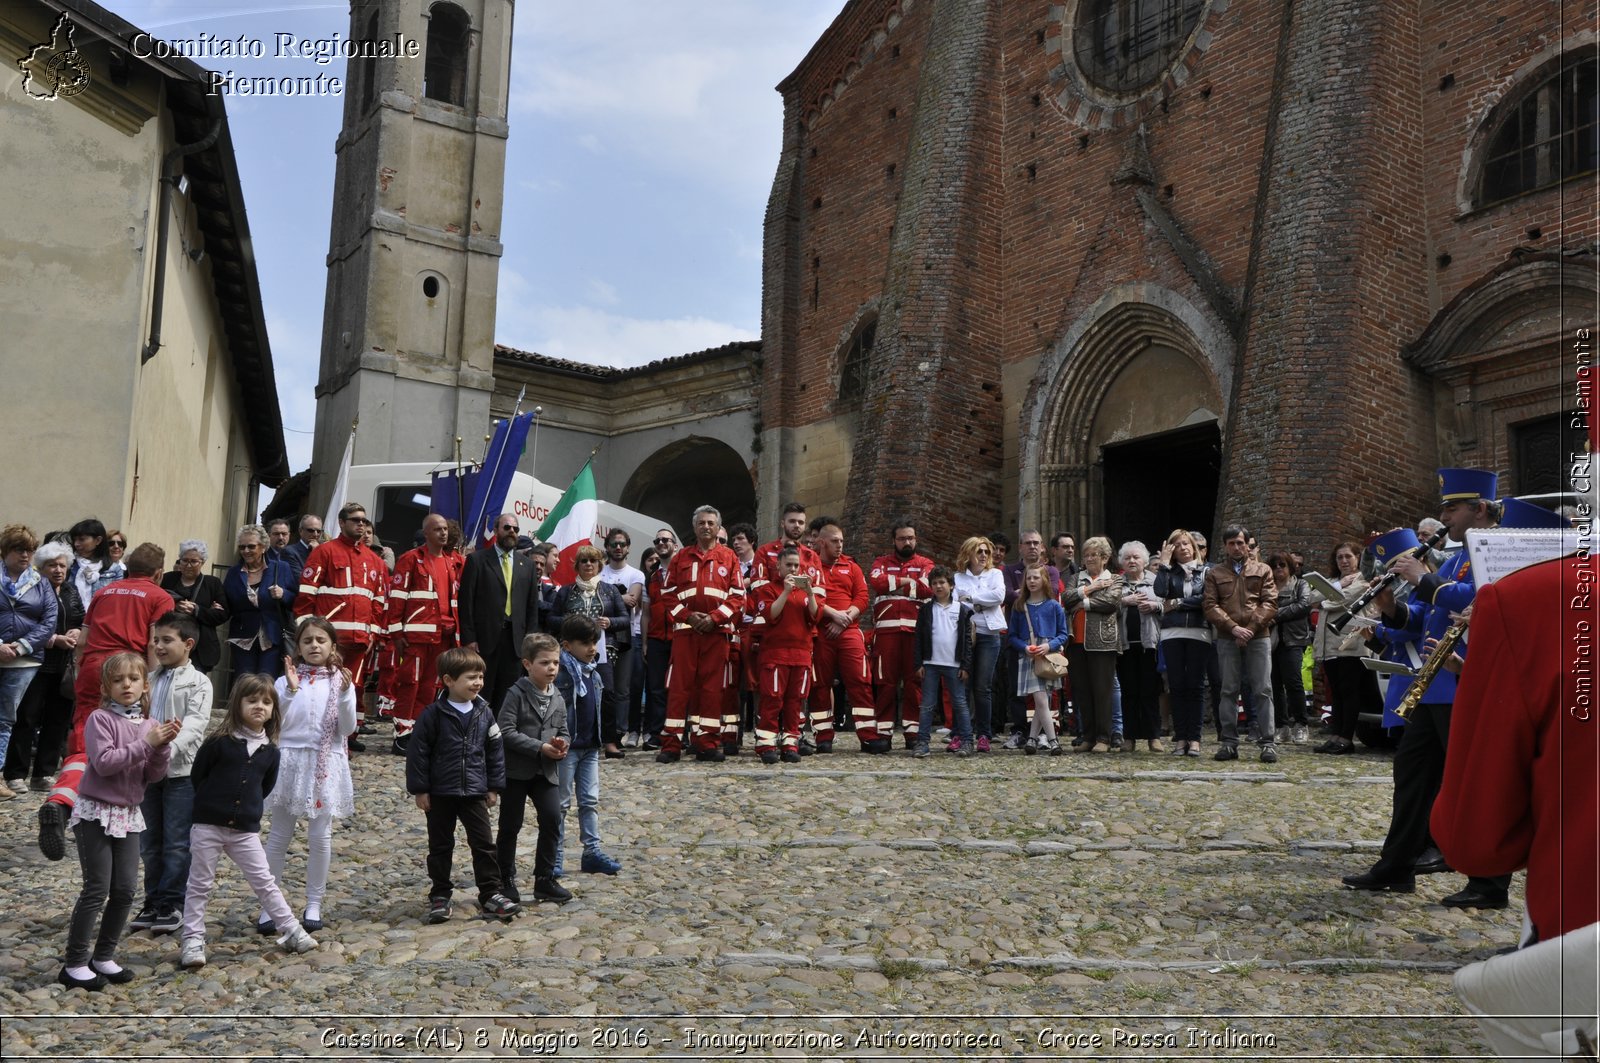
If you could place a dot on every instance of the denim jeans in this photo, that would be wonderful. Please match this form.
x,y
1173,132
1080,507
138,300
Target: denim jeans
x,y
1251,668
658,655
164,843
620,686
257,661
13,684
947,674
980,684
580,772
1116,705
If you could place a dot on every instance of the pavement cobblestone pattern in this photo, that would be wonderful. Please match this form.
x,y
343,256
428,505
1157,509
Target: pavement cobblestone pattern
x,y
848,906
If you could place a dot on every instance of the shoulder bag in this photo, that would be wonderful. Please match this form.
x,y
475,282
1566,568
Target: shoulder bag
x,y
1046,665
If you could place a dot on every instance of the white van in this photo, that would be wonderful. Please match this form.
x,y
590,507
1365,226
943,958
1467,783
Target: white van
x,y
398,496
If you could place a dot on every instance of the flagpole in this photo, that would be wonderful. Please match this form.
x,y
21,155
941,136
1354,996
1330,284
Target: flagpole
x,y
538,414
461,498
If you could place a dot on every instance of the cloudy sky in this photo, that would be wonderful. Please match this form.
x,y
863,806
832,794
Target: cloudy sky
x,y
644,137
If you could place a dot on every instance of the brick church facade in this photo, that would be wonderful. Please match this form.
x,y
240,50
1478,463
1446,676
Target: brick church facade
x,y
1124,265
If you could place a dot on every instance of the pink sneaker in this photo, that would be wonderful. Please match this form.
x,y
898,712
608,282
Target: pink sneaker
x,y
983,743
954,746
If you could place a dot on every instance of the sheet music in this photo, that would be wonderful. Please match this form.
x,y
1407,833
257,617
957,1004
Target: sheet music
x,y
1496,552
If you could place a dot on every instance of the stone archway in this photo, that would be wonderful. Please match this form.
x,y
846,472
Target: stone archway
x,y
1142,363
1502,360
688,473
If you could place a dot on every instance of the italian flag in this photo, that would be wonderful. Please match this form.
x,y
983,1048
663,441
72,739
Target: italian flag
x,y
571,524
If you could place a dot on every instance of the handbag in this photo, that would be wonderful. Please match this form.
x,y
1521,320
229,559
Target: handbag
x,y
1046,666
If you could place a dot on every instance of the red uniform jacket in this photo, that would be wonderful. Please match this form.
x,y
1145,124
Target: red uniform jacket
x,y
658,628
343,583
120,616
1522,770
900,588
422,596
786,640
765,572
704,582
846,587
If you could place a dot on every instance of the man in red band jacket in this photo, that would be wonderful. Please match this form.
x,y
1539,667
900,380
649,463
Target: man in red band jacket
x,y
422,621
704,596
343,582
839,652
899,585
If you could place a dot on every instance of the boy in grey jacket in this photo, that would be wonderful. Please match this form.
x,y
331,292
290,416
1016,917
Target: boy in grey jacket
x,y
533,726
178,691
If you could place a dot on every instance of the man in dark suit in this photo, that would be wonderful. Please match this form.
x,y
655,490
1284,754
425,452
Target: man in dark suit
x,y
498,605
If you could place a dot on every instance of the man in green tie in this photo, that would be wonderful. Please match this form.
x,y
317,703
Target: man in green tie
x,y
498,605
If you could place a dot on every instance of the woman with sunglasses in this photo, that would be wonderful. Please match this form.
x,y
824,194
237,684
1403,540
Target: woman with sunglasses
x,y
980,585
259,595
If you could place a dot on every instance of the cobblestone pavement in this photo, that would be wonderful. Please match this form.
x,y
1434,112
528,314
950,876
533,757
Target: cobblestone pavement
x,y
847,906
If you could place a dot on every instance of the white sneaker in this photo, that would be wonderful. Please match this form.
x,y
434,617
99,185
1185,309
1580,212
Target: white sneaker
x,y
298,940
1302,735
193,954
631,740
1014,742
18,785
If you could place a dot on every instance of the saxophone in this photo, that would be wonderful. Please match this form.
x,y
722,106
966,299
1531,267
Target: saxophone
x,y
1430,668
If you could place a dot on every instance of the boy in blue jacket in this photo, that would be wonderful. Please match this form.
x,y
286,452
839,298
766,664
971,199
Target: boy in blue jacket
x,y
580,687
456,768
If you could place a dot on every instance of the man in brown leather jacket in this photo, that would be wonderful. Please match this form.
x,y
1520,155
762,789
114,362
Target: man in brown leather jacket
x,y
1241,598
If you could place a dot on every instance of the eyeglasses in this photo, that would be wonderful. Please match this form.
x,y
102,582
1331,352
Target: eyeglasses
x,y
357,520
512,528
981,550
191,560
119,543
664,541
619,544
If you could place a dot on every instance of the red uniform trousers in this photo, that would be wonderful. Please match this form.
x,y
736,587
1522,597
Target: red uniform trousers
x,y
741,659
696,679
894,661
387,661
843,659
416,683
783,691
86,698
356,658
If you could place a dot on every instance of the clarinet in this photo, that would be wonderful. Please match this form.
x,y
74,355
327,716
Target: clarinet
x,y
1379,585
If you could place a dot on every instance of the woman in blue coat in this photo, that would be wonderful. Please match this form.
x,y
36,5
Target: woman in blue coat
x,y
260,593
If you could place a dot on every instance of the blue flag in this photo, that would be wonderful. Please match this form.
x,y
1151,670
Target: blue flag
x,y
494,480
452,491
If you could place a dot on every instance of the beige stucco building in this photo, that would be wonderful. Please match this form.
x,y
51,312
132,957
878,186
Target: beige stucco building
x,y
135,356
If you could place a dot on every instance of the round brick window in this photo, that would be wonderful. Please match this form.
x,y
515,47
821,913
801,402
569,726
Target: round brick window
x,y
1126,46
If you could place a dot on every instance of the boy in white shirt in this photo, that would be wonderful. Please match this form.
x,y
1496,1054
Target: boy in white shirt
x,y
944,646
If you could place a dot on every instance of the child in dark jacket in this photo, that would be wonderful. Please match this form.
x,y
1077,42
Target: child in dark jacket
x,y
580,686
233,771
456,768
944,655
533,726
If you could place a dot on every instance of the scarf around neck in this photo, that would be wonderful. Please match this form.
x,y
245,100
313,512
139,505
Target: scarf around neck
x,y
24,583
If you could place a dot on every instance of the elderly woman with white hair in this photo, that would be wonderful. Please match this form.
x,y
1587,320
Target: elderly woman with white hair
x,y
45,716
260,594
198,593
1136,665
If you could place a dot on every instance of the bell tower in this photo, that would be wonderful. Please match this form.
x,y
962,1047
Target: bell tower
x,y
414,245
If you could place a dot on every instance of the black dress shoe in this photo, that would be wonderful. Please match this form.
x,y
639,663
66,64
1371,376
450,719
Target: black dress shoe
x,y
1473,898
313,925
613,753
710,756
91,984
666,757
122,977
266,928
356,745
1432,862
1371,880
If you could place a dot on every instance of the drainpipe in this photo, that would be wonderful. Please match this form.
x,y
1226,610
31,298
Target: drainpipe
x,y
169,181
